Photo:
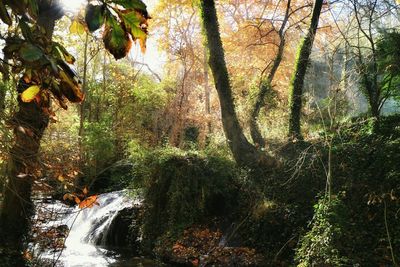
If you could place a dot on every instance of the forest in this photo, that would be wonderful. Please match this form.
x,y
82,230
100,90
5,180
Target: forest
x,y
199,133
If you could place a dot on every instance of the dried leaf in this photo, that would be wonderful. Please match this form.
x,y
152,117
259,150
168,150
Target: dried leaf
x,y
89,202
77,201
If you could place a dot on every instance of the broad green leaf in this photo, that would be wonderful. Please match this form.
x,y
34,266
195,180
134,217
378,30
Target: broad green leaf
x,y
138,33
116,40
131,19
5,17
94,17
131,4
30,53
77,28
29,94
132,22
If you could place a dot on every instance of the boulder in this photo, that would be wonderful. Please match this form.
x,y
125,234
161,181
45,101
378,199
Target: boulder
x,y
124,230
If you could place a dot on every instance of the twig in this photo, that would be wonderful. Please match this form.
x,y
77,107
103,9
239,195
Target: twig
x,y
388,234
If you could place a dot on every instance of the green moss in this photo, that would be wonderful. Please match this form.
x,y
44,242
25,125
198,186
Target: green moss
x,y
182,189
292,80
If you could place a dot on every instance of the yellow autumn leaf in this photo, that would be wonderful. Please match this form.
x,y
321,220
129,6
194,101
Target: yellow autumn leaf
x,y
77,28
29,94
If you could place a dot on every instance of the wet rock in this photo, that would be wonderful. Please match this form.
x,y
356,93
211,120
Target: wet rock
x,y
124,230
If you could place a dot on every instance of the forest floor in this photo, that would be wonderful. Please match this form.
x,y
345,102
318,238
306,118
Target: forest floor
x,y
333,202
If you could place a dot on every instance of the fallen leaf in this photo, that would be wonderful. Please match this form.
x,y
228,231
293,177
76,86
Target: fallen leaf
x,y
88,202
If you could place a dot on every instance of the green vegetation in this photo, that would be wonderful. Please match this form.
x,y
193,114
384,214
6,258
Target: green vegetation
x,y
173,132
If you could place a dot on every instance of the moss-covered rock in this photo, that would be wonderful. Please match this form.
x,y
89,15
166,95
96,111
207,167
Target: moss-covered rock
x,y
186,189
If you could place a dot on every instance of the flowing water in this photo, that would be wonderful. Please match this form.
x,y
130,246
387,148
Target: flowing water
x,y
87,227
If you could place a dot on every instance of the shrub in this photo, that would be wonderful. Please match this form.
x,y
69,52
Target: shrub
x,y
321,245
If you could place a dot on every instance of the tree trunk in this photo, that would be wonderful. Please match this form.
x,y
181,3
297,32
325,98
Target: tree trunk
x,y
243,152
297,83
29,124
266,84
3,89
207,93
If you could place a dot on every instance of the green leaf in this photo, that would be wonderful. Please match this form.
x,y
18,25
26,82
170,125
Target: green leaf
x,y
94,17
29,94
131,19
132,22
138,33
132,4
116,40
30,53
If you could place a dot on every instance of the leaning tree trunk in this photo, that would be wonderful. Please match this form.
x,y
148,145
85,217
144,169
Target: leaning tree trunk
x,y
297,83
243,152
266,84
29,124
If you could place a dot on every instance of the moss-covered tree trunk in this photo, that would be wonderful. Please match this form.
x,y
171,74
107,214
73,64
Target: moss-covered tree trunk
x,y
29,124
297,83
243,152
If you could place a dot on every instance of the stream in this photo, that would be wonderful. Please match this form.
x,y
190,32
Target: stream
x,y
84,245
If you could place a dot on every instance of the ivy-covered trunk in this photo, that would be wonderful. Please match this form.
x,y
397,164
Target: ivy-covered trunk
x,y
243,152
297,83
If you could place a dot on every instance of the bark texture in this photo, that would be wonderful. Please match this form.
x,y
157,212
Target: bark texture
x,y
297,83
242,150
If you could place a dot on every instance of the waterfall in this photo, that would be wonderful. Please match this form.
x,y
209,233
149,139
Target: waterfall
x,y
88,227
